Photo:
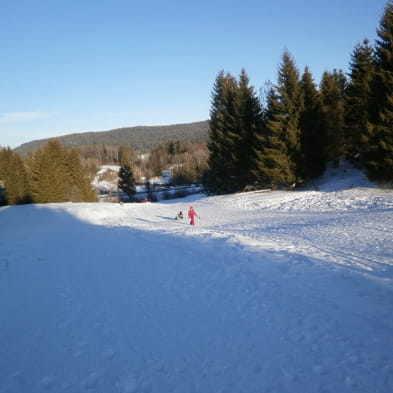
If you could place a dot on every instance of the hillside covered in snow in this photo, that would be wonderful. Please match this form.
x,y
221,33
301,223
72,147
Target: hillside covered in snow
x,y
269,292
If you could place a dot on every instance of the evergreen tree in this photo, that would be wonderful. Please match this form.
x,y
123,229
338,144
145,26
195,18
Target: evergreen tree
x,y
235,121
383,62
248,116
272,162
332,89
358,127
379,156
312,141
78,185
57,175
279,147
14,176
223,137
49,175
126,182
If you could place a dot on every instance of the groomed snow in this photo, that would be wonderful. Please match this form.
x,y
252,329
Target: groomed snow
x,y
269,292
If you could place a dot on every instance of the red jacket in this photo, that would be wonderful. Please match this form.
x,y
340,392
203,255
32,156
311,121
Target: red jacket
x,y
191,213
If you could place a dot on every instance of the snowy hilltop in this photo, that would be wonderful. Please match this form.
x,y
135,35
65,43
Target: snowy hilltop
x,y
275,291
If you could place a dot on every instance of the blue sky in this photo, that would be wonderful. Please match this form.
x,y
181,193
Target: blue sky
x,y
94,65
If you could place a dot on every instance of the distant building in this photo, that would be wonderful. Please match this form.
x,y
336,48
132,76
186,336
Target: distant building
x,y
161,181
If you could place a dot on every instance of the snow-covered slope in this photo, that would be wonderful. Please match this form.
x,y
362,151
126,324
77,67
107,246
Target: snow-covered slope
x,y
269,292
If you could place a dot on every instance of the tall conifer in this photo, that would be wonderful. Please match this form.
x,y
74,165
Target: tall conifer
x,y
379,157
332,90
223,136
78,184
126,182
275,168
312,139
14,175
281,153
358,99
248,115
49,175
235,119
57,175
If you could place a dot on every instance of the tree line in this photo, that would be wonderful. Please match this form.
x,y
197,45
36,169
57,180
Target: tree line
x,y
142,139
286,137
52,174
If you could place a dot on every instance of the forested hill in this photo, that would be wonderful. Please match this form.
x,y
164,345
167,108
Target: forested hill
x,y
141,138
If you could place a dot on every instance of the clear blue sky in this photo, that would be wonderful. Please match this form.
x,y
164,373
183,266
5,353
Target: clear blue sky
x,y
94,65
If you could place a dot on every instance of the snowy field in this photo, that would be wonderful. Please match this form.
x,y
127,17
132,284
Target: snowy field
x,y
269,292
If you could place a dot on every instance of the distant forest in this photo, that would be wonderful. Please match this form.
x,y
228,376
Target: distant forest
x,y
142,138
54,173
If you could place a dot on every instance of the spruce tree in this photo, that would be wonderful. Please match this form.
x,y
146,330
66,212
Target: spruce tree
x,y
57,175
78,184
274,167
235,121
219,177
261,165
281,152
358,100
49,175
383,62
379,156
248,115
312,141
126,182
332,90
14,176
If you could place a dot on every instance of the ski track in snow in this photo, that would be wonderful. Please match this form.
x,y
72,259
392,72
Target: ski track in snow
x,y
269,292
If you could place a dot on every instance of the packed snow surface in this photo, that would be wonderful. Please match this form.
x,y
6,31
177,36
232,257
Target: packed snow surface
x,y
269,292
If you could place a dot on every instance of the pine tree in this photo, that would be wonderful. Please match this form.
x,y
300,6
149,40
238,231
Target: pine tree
x,y
332,89
261,168
78,185
274,167
383,61
219,177
312,141
281,153
235,121
358,98
248,115
49,175
379,156
14,176
57,175
126,182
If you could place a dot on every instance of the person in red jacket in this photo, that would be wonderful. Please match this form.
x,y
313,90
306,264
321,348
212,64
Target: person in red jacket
x,y
192,214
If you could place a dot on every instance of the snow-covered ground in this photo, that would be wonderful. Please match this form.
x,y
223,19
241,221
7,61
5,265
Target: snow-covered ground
x,y
269,292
